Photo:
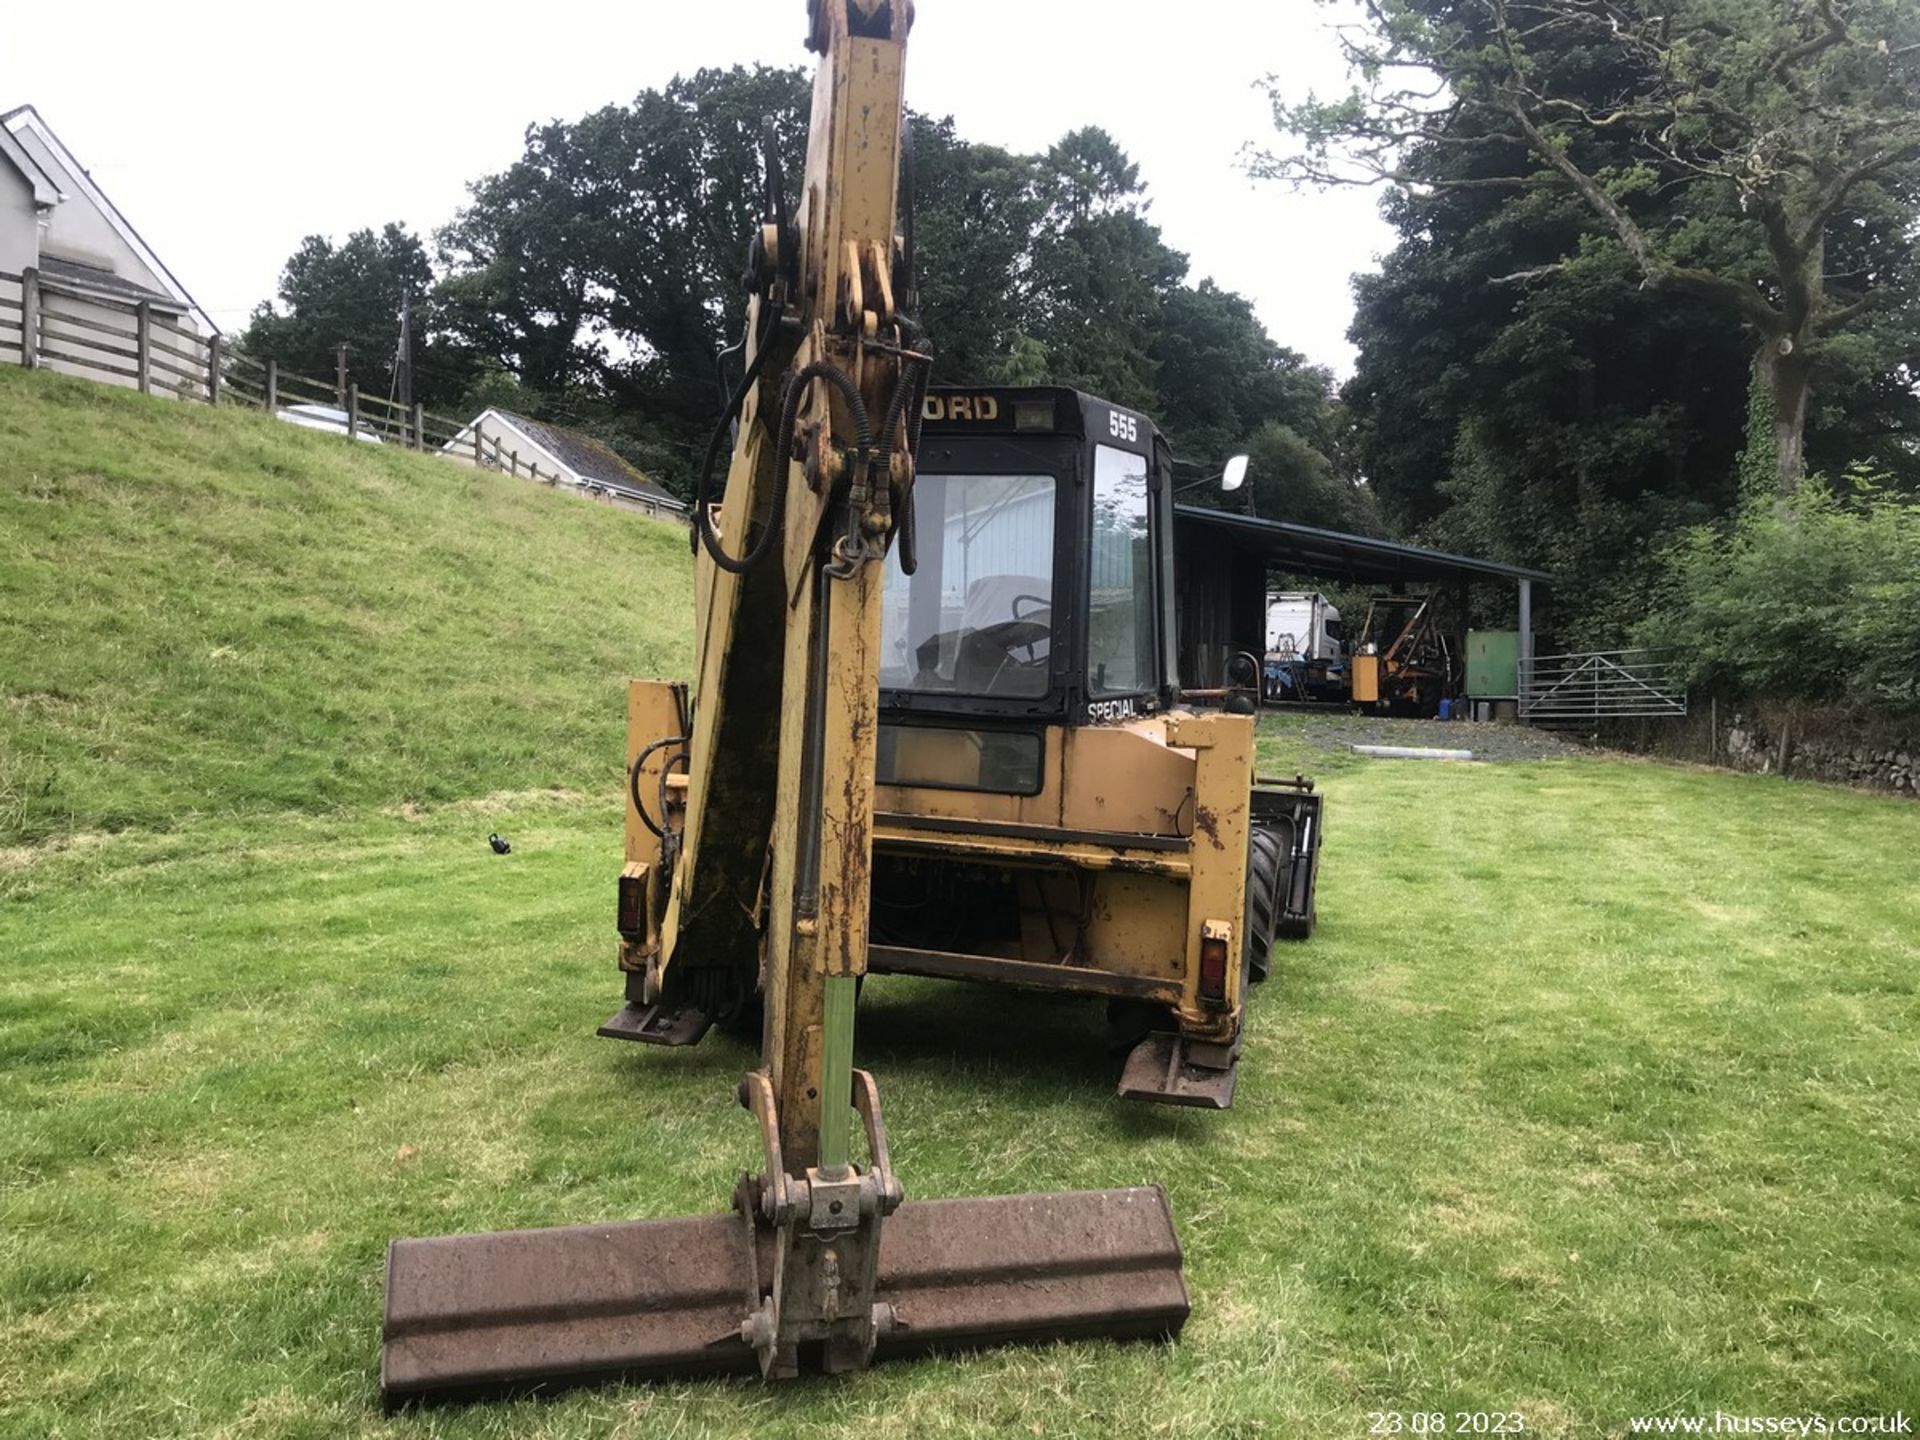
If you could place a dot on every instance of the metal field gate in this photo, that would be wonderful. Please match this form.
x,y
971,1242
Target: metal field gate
x,y
1588,686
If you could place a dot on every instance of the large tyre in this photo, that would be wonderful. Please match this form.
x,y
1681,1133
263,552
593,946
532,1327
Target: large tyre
x,y
747,1017
1268,849
730,996
1131,1021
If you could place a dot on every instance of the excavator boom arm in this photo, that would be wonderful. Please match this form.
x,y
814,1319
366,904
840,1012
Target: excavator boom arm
x,y
769,877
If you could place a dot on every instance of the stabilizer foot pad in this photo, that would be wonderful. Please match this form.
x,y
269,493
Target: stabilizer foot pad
x,y
1158,1070
657,1025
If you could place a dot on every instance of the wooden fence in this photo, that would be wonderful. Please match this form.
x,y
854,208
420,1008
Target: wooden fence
x,y
47,324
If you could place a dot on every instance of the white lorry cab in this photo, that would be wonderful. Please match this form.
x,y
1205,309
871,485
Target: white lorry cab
x,y
1306,648
1303,626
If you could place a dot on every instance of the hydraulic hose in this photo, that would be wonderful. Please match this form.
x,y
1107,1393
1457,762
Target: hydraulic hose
x,y
783,451
790,416
702,521
910,394
633,780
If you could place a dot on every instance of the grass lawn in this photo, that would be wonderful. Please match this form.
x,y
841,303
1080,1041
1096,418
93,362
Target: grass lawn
x,y
208,612
1594,1095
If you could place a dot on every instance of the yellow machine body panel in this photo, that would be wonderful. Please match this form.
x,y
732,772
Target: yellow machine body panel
x,y
1132,845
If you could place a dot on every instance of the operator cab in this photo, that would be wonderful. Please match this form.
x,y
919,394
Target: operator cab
x,y
1044,589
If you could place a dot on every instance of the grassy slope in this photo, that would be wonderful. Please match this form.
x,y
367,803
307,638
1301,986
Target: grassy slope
x,y
1593,1096
205,612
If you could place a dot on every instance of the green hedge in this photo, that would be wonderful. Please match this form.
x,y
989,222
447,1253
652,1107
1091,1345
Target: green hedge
x,y
1820,604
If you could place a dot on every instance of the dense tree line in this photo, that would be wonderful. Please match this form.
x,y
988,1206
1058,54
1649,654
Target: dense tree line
x,y
594,280
1649,256
1655,263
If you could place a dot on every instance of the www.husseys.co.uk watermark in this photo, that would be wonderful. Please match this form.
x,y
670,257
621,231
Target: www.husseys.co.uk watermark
x,y
1721,1423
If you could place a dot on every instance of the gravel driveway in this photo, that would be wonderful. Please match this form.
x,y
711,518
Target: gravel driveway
x,y
1337,730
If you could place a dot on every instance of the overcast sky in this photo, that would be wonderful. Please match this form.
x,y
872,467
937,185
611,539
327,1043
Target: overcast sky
x,y
227,131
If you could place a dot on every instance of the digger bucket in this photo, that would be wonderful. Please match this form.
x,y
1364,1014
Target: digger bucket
x,y
523,1310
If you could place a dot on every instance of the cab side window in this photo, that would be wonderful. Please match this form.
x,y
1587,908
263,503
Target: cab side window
x,y
1120,611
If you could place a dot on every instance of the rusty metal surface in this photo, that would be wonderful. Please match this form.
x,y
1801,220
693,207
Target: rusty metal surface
x,y
1064,979
1159,1069
657,1024
1049,836
1014,1269
520,1310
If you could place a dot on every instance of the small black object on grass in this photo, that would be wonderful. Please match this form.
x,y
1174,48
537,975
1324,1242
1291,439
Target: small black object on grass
x,y
500,847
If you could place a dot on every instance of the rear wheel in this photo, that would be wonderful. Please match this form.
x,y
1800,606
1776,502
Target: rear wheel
x,y
1131,1021
1268,848
729,996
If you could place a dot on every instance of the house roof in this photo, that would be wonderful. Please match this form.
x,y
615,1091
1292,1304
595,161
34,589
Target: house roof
x,y
46,194
23,117
104,283
586,457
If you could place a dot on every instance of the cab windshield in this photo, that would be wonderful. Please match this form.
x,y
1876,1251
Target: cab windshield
x,y
977,616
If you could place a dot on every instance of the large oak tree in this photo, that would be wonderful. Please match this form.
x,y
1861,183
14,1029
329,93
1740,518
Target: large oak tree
x,y
1762,156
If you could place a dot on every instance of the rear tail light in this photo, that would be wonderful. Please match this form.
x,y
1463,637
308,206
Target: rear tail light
x,y
1215,943
632,921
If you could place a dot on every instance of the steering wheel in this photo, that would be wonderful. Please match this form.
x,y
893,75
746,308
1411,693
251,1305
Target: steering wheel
x,y
994,647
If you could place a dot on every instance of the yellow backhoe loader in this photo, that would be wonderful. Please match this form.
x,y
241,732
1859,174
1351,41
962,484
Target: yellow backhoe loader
x,y
1049,814
934,729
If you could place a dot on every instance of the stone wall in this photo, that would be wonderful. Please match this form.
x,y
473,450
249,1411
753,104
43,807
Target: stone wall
x,y
1834,745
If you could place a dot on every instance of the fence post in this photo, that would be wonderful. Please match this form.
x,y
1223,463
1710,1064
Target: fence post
x,y
30,317
340,374
143,345
353,409
273,387
214,356
419,426
513,459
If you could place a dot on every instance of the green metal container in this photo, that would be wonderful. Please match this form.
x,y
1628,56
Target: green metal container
x,y
1493,664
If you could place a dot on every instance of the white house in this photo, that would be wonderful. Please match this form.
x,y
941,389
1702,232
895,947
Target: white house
x,y
57,223
566,456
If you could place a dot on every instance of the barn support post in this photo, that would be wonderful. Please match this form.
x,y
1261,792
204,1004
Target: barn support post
x,y
1526,634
